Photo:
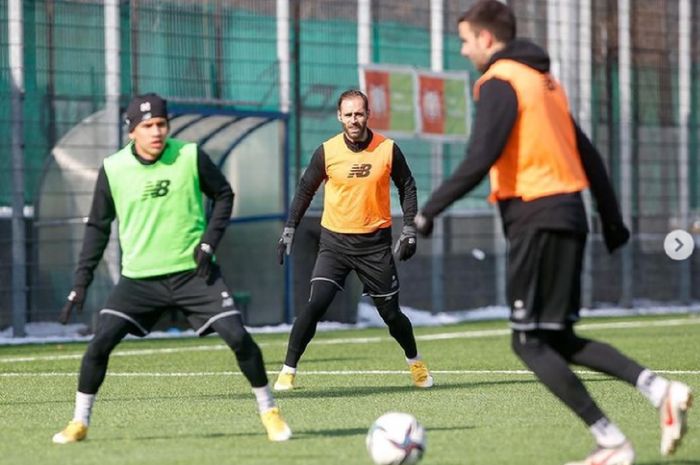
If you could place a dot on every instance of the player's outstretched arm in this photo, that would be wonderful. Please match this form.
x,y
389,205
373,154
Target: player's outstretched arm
x,y
615,233
97,231
309,183
403,179
496,113
216,187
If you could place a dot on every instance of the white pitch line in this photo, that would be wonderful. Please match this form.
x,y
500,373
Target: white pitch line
x,y
583,326
321,373
119,353
365,340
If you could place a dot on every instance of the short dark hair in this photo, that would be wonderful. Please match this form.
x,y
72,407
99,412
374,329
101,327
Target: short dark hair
x,y
350,93
493,16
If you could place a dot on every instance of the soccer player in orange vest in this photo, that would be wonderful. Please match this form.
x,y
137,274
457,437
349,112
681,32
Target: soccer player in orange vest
x,y
357,166
539,161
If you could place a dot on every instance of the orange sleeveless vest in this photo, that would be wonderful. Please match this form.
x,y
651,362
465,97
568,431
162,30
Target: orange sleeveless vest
x,y
357,197
540,157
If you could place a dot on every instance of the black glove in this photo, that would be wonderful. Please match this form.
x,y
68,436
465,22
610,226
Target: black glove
x,y
203,256
424,225
76,299
284,246
615,235
406,245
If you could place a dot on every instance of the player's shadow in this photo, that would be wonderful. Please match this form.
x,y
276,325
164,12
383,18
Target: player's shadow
x,y
340,432
671,462
39,402
137,398
314,361
354,391
337,432
303,392
160,437
298,435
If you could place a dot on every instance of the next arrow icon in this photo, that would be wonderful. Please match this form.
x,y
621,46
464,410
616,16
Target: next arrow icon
x,y
679,244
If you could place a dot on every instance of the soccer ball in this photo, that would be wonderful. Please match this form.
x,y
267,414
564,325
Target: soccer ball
x,y
396,439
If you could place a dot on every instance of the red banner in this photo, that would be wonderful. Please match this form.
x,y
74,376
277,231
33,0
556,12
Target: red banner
x,y
377,85
431,99
410,102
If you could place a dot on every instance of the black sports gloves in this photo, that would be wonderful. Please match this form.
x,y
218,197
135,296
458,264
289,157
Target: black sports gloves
x,y
406,245
284,246
76,298
203,257
615,235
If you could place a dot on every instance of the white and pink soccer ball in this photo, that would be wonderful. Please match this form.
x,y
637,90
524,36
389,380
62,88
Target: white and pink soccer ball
x,y
396,438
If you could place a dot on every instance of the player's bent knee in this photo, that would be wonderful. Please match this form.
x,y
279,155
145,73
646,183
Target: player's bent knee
x,y
322,293
233,332
526,344
110,332
388,307
566,343
102,345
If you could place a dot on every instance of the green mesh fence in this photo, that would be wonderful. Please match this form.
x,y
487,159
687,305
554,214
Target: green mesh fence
x,y
224,53
6,160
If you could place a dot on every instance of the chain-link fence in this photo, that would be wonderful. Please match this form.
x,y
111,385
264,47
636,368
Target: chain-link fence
x,y
631,69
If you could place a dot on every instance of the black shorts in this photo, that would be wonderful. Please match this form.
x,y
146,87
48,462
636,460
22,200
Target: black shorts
x,y
376,270
544,279
142,301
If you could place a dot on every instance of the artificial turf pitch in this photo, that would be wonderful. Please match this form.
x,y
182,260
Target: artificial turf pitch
x,y
183,401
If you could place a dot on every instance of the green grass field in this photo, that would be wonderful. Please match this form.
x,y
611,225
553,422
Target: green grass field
x,y
184,402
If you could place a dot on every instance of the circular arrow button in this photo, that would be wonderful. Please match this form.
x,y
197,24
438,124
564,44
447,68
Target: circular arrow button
x,y
679,244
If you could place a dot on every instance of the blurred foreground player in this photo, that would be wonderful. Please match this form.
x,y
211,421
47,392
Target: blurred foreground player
x,y
539,161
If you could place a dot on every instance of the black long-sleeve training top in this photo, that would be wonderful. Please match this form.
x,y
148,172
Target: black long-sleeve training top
x,y
103,212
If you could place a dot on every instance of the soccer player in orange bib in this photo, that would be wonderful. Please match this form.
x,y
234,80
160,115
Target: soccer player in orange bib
x,y
357,166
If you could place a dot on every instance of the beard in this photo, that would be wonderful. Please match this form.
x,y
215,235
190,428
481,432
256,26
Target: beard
x,y
355,132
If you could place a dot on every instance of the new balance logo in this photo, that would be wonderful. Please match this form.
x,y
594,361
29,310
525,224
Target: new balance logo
x,y
359,170
156,189
226,300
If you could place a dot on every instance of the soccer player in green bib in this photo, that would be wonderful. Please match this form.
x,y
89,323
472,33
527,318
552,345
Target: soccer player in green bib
x,y
154,188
